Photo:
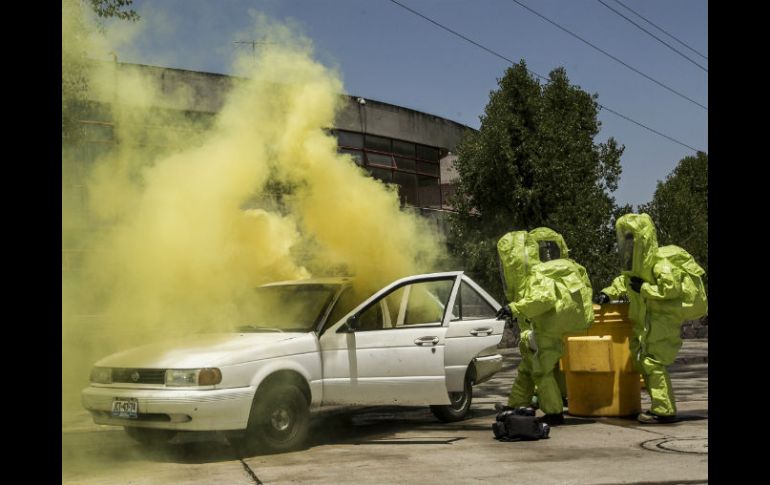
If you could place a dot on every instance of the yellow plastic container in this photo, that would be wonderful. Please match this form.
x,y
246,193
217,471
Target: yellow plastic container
x,y
597,366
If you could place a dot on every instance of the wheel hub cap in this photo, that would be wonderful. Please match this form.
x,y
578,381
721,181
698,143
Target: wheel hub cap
x,y
280,419
457,399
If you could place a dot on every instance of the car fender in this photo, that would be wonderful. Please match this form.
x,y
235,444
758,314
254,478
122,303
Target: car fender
x,y
307,365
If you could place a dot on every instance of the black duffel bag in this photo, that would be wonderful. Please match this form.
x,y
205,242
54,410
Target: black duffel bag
x,y
519,424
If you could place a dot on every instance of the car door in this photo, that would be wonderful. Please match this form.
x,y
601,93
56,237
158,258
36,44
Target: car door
x,y
392,352
472,330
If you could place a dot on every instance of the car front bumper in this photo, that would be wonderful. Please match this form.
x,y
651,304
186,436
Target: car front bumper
x,y
183,410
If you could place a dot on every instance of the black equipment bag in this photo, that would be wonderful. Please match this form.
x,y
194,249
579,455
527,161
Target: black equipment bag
x,y
519,424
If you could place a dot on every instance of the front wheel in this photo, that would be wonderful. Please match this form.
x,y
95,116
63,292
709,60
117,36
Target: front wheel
x,y
460,404
279,420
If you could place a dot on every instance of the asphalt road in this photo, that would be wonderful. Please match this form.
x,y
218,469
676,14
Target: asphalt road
x,y
408,445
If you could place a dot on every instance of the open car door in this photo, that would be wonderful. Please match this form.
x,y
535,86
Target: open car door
x,y
390,348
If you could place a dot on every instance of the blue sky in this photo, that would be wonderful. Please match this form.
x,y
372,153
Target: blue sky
x,y
385,53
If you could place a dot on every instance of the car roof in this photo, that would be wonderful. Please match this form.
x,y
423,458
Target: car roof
x,y
346,280
331,280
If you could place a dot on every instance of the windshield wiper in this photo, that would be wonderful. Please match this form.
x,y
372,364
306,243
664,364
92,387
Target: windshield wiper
x,y
254,328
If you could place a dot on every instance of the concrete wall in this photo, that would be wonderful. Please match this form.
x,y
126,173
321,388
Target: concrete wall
x,y
375,117
206,92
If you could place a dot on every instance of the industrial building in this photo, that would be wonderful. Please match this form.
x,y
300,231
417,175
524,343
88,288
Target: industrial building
x,y
397,145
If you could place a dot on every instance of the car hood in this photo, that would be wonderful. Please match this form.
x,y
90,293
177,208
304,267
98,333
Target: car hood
x,y
209,350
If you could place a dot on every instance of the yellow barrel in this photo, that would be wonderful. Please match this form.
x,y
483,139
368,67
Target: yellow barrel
x,y
597,366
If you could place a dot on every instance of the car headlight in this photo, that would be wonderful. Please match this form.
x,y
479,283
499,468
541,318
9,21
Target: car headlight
x,y
101,375
193,377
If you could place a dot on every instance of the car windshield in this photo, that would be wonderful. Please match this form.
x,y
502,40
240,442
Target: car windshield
x,y
284,308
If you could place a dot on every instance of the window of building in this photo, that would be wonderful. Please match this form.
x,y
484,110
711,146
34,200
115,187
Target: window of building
x,y
427,153
377,143
429,191
358,155
379,159
428,168
404,148
405,163
407,187
381,174
414,168
350,139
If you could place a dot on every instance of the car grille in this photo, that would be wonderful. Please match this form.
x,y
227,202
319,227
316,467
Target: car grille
x,y
139,376
152,417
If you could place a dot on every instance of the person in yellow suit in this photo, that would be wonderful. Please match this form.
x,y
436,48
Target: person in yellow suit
x,y
664,288
550,296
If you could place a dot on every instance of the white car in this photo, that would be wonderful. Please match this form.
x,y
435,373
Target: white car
x,y
304,346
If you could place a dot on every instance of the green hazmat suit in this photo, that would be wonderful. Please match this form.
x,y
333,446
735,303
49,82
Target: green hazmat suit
x,y
671,292
549,299
542,243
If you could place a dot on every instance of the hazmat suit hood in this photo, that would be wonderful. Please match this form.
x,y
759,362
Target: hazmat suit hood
x,y
514,262
637,231
539,241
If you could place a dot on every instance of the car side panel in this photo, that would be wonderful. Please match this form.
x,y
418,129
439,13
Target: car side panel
x,y
467,339
384,367
462,346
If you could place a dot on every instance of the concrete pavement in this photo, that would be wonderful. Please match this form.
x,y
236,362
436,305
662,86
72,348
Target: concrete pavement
x,y
408,445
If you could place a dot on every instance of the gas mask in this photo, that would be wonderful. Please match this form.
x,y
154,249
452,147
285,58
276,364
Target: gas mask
x,y
502,275
548,250
626,251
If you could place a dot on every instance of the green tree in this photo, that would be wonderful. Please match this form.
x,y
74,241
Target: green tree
x,y
679,208
534,163
114,8
75,63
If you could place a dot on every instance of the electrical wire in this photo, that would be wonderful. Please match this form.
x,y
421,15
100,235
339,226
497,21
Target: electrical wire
x,y
653,35
659,28
496,54
611,56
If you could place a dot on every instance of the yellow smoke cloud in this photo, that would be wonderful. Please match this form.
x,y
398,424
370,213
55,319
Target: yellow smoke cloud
x,y
182,215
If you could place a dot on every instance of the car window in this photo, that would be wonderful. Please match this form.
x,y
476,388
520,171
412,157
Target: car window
x,y
383,313
348,299
415,304
469,305
284,307
426,302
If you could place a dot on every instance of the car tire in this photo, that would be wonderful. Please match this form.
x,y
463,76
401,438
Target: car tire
x,y
150,436
460,404
279,420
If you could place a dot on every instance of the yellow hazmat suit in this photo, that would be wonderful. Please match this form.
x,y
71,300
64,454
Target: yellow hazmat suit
x,y
549,299
664,288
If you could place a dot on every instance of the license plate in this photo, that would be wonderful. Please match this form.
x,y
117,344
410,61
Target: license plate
x,y
125,408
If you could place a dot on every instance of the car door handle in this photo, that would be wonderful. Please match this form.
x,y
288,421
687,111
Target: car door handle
x,y
485,331
426,340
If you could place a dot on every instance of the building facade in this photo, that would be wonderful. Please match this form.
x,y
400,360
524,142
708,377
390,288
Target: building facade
x,y
397,145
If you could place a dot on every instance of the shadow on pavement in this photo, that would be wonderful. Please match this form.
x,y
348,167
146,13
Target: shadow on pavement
x,y
362,427
575,421
692,415
367,426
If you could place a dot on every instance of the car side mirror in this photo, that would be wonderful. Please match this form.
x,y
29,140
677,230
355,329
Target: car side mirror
x,y
350,325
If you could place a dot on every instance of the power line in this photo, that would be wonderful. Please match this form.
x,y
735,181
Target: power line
x,y
464,37
653,35
496,54
611,56
648,128
659,28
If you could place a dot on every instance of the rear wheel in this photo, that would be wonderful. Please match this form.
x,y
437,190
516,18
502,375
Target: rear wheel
x,y
279,420
460,404
150,436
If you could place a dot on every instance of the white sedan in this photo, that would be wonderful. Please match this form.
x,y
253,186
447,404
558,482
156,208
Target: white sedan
x,y
304,346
